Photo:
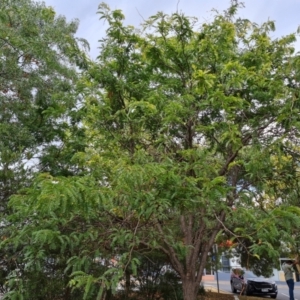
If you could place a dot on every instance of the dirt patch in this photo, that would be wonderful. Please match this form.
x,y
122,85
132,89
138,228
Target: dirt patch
x,y
209,295
215,296
220,296
252,298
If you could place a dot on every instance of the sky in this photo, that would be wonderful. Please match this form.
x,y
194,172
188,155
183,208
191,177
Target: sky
x,y
285,13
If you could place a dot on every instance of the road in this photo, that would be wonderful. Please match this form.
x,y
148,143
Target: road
x,y
283,292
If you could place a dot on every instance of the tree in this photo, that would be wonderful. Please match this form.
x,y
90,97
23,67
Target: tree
x,y
40,62
185,123
67,235
39,56
273,225
182,122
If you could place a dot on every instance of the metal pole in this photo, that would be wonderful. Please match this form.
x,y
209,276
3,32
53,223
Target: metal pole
x,y
216,265
217,280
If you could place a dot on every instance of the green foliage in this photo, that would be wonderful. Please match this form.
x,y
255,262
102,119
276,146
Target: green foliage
x,y
40,59
156,277
186,123
39,55
269,235
180,124
56,232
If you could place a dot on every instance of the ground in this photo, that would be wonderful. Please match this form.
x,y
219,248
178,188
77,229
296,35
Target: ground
x,y
209,295
221,296
216,296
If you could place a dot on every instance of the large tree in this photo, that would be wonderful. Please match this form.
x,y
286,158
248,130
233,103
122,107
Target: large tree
x,y
39,56
40,60
192,134
193,120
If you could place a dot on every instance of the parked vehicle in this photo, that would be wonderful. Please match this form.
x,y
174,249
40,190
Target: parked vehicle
x,y
252,286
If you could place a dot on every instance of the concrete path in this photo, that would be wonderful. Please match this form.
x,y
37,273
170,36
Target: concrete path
x,y
214,289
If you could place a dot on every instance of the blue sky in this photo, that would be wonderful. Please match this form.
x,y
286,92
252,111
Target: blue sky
x,y
285,13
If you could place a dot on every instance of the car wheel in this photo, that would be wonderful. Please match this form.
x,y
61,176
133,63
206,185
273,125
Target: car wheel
x,y
232,288
274,296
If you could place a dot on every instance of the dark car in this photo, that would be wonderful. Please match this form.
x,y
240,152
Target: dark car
x,y
253,286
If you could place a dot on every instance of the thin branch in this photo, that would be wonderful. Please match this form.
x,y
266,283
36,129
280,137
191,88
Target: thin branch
x,y
131,250
140,15
177,6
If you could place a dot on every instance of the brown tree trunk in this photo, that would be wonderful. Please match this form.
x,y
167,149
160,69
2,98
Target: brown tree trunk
x,y
190,289
127,284
67,294
198,244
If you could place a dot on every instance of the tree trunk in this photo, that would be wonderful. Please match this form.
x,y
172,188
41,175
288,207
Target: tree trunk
x,y
190,289
127,283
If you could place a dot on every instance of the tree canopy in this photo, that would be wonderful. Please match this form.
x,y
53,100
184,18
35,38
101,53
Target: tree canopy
x,y
40,62
191,138
39,56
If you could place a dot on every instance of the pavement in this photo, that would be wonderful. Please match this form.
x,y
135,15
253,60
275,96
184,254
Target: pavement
x,y
214,289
